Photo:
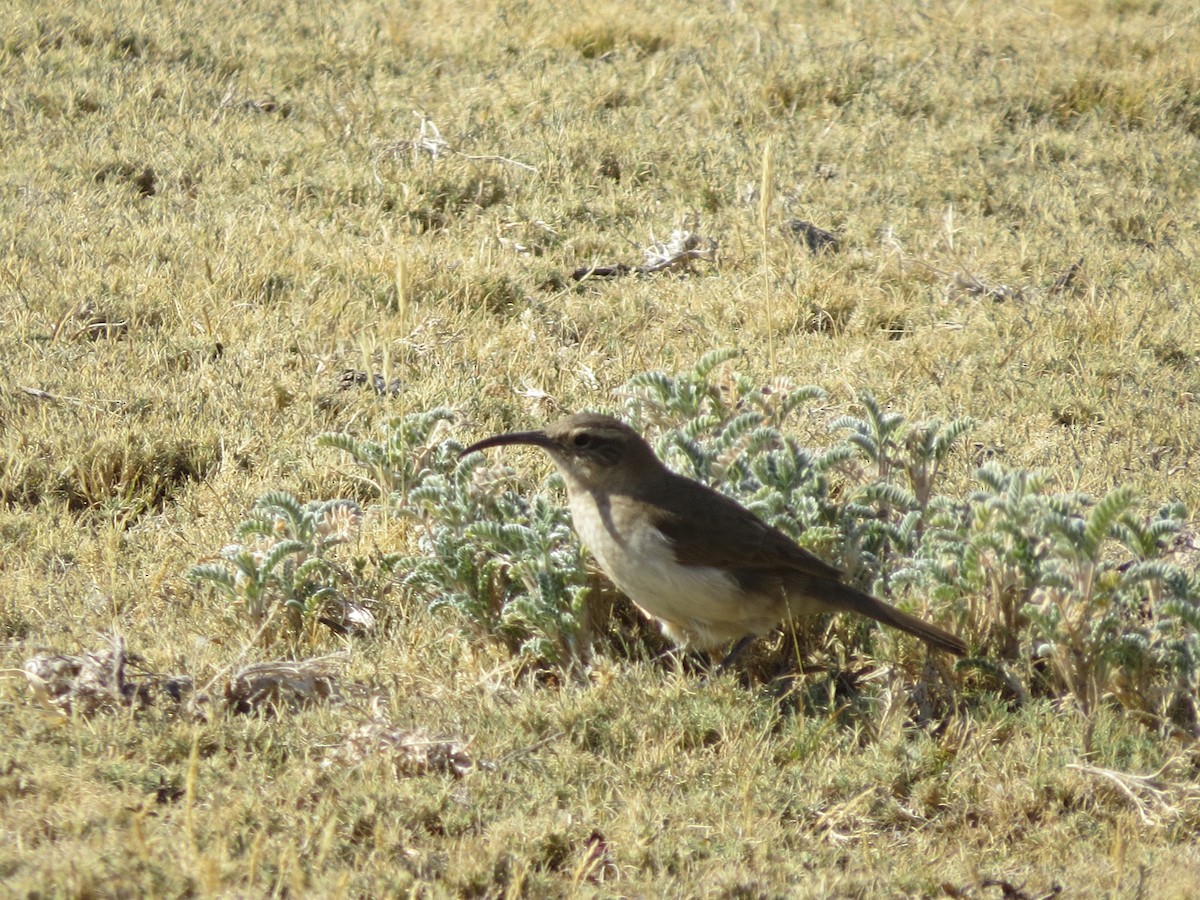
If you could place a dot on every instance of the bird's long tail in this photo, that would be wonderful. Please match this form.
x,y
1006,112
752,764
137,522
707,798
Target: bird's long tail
x,y
835,596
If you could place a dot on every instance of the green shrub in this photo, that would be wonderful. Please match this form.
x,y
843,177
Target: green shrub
x,y
280,564
1059,594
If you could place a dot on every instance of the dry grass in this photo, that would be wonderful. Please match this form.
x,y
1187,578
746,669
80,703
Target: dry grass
x,y
211,211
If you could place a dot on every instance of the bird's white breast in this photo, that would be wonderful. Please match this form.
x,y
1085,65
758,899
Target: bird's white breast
x,y
697,606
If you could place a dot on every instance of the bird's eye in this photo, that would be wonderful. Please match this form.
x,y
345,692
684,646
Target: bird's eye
x,y
582,440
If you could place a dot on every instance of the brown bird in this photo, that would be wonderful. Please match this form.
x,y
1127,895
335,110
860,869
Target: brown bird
x,y
701,564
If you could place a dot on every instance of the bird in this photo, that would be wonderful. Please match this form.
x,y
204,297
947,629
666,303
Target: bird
x,y
708,570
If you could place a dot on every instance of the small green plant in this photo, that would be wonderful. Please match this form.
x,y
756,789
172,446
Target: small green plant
x,y
412,447
883,516
506,560
1098,607
280,562
1076,592
985,550
508,564
890,444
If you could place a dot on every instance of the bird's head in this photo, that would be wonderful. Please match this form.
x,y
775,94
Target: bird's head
x,y
591,450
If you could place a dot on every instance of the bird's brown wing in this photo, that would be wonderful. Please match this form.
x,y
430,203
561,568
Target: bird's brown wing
x,y
729,536
765,560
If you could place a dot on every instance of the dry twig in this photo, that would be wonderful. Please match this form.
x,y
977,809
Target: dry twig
x,y
677,252
1156,801
429,140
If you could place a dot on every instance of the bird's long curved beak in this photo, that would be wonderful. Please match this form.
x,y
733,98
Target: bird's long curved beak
x,y
532,438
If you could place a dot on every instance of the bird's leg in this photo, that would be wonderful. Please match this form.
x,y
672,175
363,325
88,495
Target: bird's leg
x,y
684,662
732,656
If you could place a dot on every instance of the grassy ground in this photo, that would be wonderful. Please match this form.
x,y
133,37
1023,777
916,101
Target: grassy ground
x,y
208,212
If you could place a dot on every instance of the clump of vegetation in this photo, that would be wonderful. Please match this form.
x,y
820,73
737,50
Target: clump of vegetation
x,y
1060,595
279,573
597,41
123,478
509,564
1078,594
